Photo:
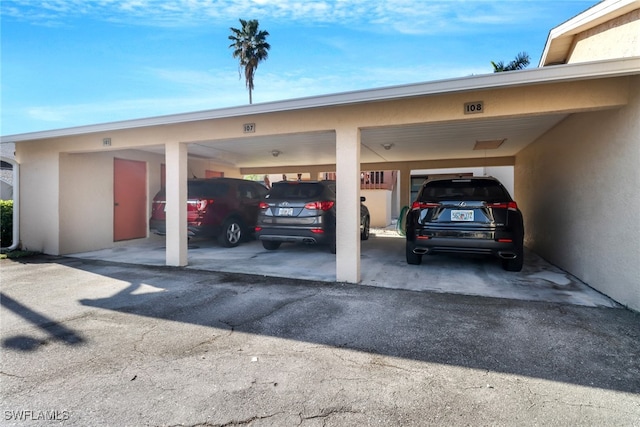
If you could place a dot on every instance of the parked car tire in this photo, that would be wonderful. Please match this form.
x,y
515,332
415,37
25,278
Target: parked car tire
x,y
271,245
412,258
364,235
516,263
232,233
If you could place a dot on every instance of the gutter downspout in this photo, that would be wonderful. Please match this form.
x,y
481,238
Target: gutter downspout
x,y
16,203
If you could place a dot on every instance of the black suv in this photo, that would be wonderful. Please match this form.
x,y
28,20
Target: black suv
x,y
303,212
469,215
225,208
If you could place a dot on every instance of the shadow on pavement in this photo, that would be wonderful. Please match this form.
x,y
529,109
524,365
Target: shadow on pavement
x,y
595,347
55,330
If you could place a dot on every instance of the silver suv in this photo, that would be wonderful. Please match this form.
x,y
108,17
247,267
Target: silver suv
x,y
303,212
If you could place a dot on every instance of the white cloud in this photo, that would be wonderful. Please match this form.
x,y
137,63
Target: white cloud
x,y
46,114
404,16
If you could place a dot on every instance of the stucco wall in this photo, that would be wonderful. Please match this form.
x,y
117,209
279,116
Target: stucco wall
x,y
379,204
578,188
86,197
39,209
197,168
618,38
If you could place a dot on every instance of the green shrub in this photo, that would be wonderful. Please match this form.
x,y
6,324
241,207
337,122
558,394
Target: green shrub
x,y
6,222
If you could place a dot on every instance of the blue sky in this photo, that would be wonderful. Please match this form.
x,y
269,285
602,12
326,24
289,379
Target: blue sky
x,y
68,63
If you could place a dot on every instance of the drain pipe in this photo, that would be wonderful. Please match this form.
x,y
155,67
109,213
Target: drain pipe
x,y
16,203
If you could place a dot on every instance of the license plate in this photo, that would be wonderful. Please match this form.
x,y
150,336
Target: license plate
x,y
285,211
457,215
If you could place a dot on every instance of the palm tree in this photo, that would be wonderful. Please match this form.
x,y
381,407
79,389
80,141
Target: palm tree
x,y
521,61
250,47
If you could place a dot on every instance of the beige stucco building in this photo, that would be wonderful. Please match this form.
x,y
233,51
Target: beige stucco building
x,y
569,128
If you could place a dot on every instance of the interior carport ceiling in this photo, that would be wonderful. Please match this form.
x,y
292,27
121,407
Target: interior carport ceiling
x,y
422,141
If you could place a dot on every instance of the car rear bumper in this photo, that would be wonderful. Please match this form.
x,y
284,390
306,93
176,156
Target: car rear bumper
x,y
505,250
160,227
296,235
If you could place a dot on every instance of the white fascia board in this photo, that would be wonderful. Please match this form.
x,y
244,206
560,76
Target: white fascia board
x,y
604,11
559,73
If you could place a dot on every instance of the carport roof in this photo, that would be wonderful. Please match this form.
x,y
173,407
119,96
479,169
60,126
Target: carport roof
x,y
554,74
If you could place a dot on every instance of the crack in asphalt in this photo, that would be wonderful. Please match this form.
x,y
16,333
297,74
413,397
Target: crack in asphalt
x,y
328,412
258,318
232,422
205,342
10,375
144,334
380,362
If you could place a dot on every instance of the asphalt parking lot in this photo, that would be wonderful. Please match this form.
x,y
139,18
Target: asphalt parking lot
x,y
100,343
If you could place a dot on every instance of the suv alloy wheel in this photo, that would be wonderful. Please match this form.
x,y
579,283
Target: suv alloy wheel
x,y
232,233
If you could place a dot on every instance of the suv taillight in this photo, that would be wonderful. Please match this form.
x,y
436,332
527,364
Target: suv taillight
x,y
263,205
424,205
202,204
504,205
321,206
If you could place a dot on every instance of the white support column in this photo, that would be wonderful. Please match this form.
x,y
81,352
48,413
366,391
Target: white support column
x,y
348,205
176,207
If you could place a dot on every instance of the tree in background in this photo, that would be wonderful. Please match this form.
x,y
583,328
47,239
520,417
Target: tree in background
x,y
6,222
521,62
250,47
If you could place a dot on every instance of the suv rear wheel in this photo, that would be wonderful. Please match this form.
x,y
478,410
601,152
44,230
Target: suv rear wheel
x,y
514,264
270,245
232,233
364,235
412,258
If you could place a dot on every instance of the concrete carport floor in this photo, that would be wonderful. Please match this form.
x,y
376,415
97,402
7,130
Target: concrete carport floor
x,y
382,265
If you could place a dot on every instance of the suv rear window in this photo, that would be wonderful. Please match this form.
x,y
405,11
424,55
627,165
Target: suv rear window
x,y
296,190
206,189
464,189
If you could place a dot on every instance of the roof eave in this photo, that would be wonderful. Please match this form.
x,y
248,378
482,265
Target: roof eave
x,y
560,39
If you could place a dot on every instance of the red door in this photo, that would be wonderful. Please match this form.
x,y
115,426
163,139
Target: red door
x,y
130,199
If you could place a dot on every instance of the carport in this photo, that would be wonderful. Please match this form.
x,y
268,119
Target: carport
x,y
430,125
